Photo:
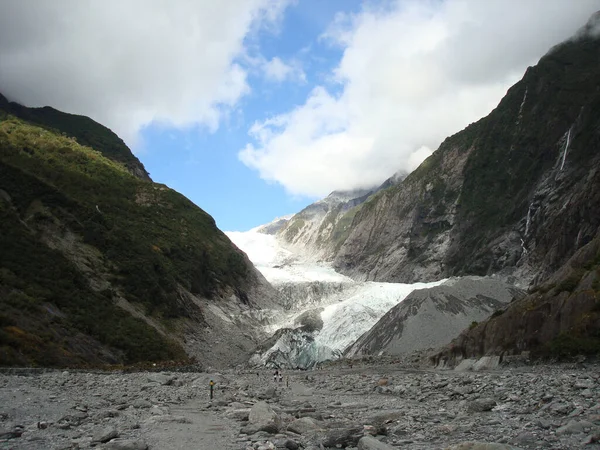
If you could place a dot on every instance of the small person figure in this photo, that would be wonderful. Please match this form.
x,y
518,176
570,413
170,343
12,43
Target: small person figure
x,y
280,377
275,375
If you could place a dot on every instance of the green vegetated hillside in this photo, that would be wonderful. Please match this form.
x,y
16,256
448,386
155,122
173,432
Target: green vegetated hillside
x,y
85,130
80,237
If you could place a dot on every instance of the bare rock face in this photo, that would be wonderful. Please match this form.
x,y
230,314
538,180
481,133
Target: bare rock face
x,y
429,318
320,228
516,192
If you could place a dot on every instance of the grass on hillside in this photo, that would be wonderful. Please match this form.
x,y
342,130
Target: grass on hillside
x,y
151,239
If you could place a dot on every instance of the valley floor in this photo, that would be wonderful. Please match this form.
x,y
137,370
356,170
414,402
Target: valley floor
x,y
546,406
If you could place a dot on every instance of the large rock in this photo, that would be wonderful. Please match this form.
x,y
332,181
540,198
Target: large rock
x,y
370,443
343,437
105,434
481,446
303,425
262,418
262,412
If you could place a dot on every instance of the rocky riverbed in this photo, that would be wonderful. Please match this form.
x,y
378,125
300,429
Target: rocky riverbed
x,y
366,407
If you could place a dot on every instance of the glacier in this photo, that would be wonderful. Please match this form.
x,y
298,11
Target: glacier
x,y
323,312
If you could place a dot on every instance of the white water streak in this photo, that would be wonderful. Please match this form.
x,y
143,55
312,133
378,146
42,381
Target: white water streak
x,y
521,107
528,221
566,149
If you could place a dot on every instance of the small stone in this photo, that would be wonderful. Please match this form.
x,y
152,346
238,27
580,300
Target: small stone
x,y
141,403
481,405
574,427
343,437
291,445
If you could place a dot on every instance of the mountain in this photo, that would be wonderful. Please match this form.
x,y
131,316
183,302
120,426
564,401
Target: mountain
x,y
558,318
430,318
85,130
515,193
322,312
319,230
101,265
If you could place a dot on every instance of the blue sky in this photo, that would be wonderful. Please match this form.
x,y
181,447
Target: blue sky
x,y
205,166
255,108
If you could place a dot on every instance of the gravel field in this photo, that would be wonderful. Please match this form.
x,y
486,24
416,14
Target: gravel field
x,y
379,406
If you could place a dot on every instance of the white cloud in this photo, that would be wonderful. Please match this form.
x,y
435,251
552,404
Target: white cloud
x,y
278,71
411,74
130,63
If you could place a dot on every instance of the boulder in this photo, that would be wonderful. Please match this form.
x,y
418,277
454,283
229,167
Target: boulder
x,y
481,405
105,434
370,443
343,437
262,412
302,425
481,446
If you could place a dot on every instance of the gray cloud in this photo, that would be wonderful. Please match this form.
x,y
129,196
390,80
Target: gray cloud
x,y
411,74
129,63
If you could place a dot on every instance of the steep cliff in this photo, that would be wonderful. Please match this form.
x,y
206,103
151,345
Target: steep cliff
x,y
320,228
100,266
318,231
516,192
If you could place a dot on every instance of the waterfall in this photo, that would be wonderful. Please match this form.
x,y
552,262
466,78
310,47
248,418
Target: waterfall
x,y
528,221
520,115
566,148
523,247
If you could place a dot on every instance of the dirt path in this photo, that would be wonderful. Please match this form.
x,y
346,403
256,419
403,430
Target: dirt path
x,y
202,430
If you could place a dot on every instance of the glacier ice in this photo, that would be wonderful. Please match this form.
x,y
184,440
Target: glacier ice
x,y
347,308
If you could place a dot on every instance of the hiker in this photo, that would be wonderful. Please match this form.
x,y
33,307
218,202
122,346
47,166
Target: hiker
x,y
275,375
280,377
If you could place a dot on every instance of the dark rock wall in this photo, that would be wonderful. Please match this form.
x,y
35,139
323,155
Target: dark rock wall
x,y
465,209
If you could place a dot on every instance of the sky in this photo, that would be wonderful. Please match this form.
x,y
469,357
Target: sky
x,y
254,109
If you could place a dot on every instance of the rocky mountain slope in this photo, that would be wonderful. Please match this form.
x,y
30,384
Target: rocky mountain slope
x,y
430,318
320,228
515,193
100,265
318,231
558,318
